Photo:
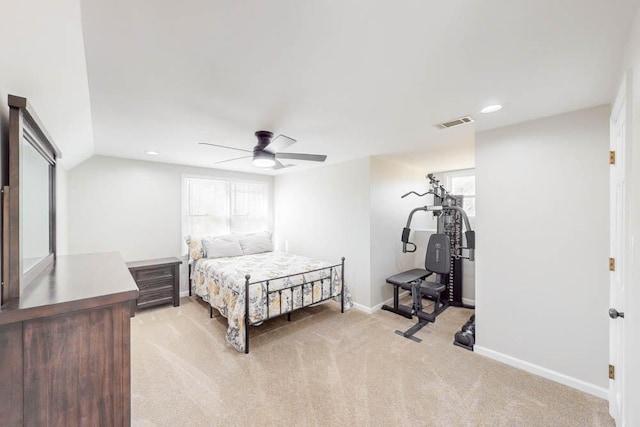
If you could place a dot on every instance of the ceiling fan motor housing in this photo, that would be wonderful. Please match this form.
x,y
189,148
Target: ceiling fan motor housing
x,y
260,156
264,138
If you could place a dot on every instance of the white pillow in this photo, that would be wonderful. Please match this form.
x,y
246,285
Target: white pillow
x,y
221,246
256,243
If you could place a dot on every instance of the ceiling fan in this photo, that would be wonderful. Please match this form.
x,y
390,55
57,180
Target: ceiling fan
x,y
267,153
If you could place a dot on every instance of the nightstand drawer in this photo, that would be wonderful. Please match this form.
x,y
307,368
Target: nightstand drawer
x,y
154,273
159,282
155,296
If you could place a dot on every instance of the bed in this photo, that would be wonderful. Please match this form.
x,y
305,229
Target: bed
x,y
277,283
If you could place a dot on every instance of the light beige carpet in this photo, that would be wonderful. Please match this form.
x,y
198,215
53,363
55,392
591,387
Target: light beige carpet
x,y
325,368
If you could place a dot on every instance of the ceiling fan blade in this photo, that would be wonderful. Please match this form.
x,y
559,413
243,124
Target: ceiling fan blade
x,y
230,160
279,143
280,165
296,156
224,146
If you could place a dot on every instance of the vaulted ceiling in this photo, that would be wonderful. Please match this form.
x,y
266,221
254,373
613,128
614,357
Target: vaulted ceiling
x,y
345,78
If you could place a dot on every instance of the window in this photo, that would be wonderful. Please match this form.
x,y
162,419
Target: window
x,y
215,206
463,183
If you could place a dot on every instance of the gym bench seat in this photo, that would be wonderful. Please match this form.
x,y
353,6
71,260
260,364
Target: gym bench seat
x,y
403,280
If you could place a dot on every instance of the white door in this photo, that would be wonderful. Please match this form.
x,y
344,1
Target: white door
x,y
617,250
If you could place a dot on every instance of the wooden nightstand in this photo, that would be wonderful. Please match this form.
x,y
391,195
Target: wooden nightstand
x,y
158,281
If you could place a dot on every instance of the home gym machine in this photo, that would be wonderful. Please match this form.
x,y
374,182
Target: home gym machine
x,y
444,255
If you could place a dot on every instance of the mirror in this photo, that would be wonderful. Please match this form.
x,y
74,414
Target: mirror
x,y
28,200
34,206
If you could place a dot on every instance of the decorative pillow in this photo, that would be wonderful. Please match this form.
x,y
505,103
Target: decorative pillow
x,y
221,246
196,250
256,243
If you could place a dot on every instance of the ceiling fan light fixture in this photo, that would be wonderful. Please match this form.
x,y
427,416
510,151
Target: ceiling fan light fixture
x,y
263,159
263,163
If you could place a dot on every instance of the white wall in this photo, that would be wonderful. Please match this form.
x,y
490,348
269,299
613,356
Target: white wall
x,y
388,215
132,206
323,213
631,65
356,211
542,220
43,60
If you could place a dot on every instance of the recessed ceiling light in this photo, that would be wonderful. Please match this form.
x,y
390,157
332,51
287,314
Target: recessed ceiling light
x,y
491,109
151,153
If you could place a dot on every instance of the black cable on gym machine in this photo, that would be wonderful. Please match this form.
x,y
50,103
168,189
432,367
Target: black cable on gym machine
x,y
444,257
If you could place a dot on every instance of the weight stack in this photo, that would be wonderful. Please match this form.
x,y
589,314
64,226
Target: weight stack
x,y
454,278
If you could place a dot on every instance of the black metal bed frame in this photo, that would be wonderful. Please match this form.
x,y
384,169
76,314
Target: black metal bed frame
x,y
267,295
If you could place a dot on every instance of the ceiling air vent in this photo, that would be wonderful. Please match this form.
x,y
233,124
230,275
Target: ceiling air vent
x,y
456,122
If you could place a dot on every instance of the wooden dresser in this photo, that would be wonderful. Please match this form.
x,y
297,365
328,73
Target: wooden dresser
x,y
158,281
65,345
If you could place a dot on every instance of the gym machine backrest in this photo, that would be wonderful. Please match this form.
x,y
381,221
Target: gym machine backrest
x,y
438,257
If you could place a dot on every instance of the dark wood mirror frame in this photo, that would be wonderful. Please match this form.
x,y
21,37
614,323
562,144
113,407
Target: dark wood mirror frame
x,y
23,120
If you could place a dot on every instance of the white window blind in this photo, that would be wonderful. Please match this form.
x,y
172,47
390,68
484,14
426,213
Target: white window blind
x,y
217,207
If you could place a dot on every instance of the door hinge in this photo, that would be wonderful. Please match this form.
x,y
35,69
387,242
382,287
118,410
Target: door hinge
x,y
612,372
612,157
612,264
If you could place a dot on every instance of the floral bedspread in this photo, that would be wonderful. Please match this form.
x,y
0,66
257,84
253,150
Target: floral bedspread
x,y
221,282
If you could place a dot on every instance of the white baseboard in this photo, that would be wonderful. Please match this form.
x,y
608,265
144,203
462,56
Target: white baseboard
x,y
467,301
184,294
544,372
363,308
371,310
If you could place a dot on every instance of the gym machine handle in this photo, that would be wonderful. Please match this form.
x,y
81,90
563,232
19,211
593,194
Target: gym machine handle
x,y
419,195
405,241
470,235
